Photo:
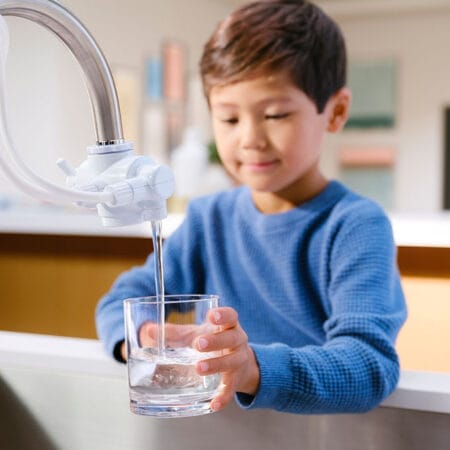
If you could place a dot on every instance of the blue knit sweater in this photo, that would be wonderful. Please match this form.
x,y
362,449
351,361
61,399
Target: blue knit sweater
x,y
316,288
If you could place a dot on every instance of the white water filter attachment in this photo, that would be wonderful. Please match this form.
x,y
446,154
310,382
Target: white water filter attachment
x,y
137,185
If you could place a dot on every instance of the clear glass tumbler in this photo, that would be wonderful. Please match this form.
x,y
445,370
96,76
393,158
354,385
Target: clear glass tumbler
x,y
160,340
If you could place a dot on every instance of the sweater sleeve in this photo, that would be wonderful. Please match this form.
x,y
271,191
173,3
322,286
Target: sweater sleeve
x,y
181,253
357,366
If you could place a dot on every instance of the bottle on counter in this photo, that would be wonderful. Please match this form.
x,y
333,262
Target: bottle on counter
x,y
189,162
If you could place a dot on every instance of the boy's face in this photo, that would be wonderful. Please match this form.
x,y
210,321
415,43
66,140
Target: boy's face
x,y
269,136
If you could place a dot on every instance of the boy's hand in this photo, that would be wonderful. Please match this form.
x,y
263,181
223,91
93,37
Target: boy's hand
x,y
237,364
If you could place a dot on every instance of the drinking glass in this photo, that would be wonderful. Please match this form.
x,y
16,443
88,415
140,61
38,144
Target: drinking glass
x,y
160,340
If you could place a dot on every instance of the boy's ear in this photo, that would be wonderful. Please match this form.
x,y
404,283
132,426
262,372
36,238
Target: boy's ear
x,y
340,109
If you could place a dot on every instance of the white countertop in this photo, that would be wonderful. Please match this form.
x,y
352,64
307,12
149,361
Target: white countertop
x,y
421,230
71,222
416,230
423,391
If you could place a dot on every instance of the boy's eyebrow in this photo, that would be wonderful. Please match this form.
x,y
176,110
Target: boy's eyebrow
x,y
266,101
223,104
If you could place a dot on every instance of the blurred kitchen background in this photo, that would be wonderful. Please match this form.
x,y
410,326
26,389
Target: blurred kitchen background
x,y
393,149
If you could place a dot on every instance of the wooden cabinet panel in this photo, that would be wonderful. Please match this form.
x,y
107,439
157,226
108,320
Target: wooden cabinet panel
x,y
424,340
51,284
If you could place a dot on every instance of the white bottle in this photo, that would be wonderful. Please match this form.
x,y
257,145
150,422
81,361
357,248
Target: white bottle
x,y
189,162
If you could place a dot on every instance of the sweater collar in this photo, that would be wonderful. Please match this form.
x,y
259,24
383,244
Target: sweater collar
x,y
313,207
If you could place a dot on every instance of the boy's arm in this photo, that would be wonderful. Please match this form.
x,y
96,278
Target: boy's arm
x,y
357,367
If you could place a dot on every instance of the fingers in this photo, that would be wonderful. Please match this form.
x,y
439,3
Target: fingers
x,y
230,335
123,351
179,335
228,339
237,364
223,364
225,395
148,334
225,317
175,335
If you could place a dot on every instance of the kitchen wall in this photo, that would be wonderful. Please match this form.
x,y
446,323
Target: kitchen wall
x,y
416,39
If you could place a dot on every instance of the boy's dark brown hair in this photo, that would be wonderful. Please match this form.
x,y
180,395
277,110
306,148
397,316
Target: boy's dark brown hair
x,y
278,35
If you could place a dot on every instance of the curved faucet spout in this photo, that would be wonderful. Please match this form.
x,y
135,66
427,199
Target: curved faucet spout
x,y
71,31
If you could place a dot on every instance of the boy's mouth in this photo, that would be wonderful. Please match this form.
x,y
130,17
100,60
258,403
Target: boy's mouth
x,y
260,166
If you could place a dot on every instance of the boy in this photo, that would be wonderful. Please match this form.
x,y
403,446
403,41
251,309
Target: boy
x,y
304,267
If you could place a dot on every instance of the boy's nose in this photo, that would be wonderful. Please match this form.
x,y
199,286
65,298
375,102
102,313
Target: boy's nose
x,y
253,137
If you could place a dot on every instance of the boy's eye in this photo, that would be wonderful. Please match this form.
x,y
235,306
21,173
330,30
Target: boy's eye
x,y
231,120
276,116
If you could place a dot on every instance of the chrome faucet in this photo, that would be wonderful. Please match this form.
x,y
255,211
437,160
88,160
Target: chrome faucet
x,y
124,187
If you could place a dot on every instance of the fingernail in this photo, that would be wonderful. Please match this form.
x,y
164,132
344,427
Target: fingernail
x,y
203,343
217,316
204,366
215,406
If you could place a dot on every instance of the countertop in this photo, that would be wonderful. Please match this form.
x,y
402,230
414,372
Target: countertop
x,y
410,230
72,222
422,391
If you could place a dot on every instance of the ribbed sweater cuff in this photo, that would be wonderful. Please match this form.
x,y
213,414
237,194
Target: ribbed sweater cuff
x,y
276,380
